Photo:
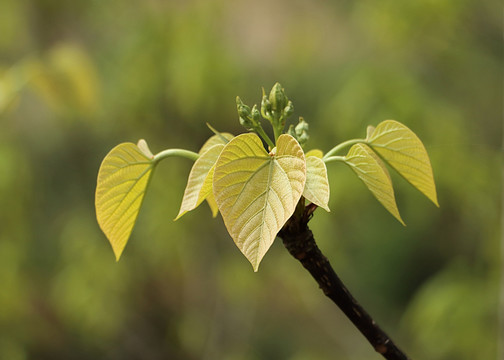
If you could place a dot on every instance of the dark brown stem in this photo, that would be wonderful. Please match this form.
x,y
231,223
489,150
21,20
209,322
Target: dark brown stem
x,y
299,241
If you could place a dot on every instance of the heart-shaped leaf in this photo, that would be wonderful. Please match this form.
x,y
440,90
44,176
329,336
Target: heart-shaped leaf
x,y
122,181
199,185
371,170
403,150
257,192
317,185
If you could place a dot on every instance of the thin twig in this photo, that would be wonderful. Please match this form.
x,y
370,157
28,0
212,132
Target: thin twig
x,y
299,241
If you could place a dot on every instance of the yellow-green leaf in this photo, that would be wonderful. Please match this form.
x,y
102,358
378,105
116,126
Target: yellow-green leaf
x,y
315,152
199,185
257,192
142,145
216,140
371,170
369,131
67,80
122,180
212,204
405,152
317,185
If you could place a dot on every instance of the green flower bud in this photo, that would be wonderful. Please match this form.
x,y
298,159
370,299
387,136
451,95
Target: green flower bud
x,y
246,123
255,114
244,114
288,110
302,126
300,131
266,107
243,110
277,98
303,138
291,131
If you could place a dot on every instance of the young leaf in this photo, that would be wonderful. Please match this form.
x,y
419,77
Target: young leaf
x,y
403,150
142,145
371,170
315,152
218,138
257,192
212,203
215,140
122,181
369,131
199,185
317,185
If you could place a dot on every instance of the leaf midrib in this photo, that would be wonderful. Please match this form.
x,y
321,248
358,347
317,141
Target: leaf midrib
x,y
141,193
268,189
247,182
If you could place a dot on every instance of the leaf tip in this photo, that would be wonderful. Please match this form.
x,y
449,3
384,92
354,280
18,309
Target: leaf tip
x,y
397,216
256,266
180,214
434,199
117,253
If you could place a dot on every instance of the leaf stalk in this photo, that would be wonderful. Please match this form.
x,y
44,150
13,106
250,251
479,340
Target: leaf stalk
x,y
260,131
341,146
191,155
334,158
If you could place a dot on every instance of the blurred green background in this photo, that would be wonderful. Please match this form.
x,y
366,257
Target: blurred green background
x,y
79,77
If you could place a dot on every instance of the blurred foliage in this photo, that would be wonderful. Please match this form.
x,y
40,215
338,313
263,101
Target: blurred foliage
x,y
76,78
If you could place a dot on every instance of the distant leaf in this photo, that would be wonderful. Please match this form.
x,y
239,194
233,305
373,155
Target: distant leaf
x,y
317,185
67,80
215,140
403,150
257,192
199,185
371,170
315,152
122,181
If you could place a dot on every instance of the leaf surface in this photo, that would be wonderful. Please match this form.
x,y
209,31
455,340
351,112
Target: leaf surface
x,y
142,145
257,192
212,204
122,181
405,152
199,184
317,185
371,170
315,152
216,140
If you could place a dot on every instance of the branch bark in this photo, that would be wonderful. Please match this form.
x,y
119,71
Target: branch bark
x,y
299,241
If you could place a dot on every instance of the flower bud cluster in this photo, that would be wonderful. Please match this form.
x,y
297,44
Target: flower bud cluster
x,y
276,108
300,131
248,118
